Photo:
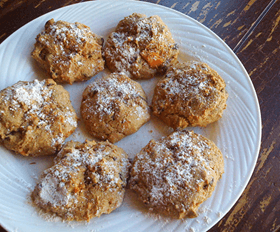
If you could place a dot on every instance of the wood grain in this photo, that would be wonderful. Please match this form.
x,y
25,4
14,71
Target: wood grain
x,y
16,13
229,19
258,209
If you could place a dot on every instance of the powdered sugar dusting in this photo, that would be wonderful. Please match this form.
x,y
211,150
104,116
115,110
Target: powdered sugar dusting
x,y
191,82
76,171
51,194
70,52
31,109
35,98
128,54
63,34
113,91
58,139
137,41
191,94
171,170
70,118
31,94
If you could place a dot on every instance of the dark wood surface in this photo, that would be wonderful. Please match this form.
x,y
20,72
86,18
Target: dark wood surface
x,y
252,29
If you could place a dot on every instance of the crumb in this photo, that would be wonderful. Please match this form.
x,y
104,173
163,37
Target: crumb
x,y
191,229
206,219
219,214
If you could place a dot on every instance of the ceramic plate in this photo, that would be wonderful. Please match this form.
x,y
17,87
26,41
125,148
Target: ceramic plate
x,y
237,134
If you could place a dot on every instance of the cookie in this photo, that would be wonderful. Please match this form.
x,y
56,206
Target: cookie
x,y
140,47
174,175
191,94
69,52
113,107
87,180
35,117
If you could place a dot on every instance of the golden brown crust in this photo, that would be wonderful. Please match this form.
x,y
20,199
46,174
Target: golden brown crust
x,y
36,117
140,46
69,52
174,175
113,107
191,94
87,180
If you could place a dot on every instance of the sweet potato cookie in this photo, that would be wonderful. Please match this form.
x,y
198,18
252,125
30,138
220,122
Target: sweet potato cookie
x,y
177,173
140,47
35,117
87,179
191,94
69,52
113,107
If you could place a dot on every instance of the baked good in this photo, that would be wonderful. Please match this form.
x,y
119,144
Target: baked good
x,y
87,179
35,117
69,52
140,46
174,175
113,107
191,94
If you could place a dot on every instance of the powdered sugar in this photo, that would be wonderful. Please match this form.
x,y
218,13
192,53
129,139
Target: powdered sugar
x,y
32,96
70,49
35,98
170,169
28,94
136,42
70,118
53,192
191,94
190,82
59,139
63,33
113,91
33,112
32,92
76,170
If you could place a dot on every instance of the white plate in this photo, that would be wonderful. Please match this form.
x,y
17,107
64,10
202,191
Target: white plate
x,y
237,134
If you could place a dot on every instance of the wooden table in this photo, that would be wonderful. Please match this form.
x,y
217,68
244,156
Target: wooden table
x,y
252,29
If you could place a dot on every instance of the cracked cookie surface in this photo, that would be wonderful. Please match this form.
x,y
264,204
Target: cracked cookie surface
x,y
191,94
35,117
140,47
174,175
87,180
113,107
69,52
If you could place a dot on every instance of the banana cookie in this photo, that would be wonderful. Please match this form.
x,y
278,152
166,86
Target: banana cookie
x,y
113,107
174,175
87,179
140,46
35,117
191,94
69,52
